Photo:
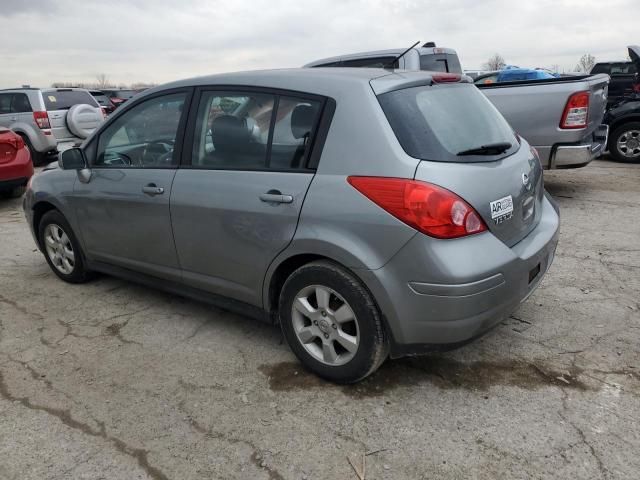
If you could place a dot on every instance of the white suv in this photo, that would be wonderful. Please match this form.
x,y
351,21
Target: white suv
x,y
50,120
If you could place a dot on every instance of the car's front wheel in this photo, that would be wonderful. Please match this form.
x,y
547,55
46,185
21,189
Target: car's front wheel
x,y
332,323
61,248
624,143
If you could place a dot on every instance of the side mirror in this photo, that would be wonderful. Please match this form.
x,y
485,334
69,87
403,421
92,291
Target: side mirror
x,y
73,159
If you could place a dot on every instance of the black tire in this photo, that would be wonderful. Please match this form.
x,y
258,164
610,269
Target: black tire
x,y
18,191
37,158
79,273
616,135
373,346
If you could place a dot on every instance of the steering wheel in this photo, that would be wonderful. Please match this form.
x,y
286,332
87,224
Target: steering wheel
x,y
117,158
156,152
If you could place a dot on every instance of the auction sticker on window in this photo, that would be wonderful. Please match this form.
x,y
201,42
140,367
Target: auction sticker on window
x,y
501,209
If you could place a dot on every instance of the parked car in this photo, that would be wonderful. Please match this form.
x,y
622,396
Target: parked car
x,y
625,78
49,120
623,119
561,117
305,198
119,96
107,105
428,57
15,164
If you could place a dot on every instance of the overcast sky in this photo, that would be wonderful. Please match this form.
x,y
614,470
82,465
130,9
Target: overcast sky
x,y
44,41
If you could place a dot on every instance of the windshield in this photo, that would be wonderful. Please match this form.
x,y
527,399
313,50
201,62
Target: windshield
x,y
65,99
439,122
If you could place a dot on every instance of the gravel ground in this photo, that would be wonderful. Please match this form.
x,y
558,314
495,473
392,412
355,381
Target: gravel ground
x,y
116,381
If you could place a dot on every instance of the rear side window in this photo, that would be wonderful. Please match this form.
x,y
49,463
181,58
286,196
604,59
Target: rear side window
x,y
65,99
20,103
623,69
601,68
253,131
101,98
438,122
373,62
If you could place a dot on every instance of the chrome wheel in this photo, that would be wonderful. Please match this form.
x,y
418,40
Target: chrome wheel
x,y
629,143
59,249
325,325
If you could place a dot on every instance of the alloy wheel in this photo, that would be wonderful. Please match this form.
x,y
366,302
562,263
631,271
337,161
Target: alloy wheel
x,y
325,325
59,249
629,144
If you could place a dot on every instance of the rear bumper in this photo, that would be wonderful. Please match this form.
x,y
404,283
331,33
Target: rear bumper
x,y
436,295
579,155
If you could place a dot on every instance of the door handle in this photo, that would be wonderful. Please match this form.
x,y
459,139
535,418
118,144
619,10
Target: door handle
x,y
275,196
152,189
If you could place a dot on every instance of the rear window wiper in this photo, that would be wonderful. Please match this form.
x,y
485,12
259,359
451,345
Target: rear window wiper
x,y
490,149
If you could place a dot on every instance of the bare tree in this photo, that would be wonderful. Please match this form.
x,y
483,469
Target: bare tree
x,y
495,62
586,63
102,81
555,68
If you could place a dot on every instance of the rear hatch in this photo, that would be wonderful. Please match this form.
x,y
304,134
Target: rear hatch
x,y
468,148
58,102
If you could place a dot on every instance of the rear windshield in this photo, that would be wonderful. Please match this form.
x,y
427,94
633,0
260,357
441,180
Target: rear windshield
x,y
65,99
439,122
440,63
101,98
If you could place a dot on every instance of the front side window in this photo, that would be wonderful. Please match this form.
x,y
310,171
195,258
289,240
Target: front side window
x,y
5,102
143,137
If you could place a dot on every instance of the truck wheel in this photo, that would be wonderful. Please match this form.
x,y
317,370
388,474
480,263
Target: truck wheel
x,y
61,248
37,158
624,142
332,323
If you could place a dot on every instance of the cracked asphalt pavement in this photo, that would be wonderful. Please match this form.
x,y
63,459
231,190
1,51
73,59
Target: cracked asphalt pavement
x,y
113,380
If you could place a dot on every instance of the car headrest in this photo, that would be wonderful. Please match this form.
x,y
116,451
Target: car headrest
x,y
229,131
302,119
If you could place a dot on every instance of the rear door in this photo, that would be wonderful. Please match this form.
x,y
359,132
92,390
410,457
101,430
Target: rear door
x,y
5,110
123,209
58,102
503,183
236,200
21,110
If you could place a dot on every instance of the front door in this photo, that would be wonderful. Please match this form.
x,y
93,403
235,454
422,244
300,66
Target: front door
x,y
123,208
235,204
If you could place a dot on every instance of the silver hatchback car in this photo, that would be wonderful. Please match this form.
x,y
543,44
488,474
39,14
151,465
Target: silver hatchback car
x,y
370,213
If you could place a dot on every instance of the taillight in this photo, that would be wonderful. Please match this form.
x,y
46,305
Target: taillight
x,y
428,208
576,112
19,142
42,119
636,88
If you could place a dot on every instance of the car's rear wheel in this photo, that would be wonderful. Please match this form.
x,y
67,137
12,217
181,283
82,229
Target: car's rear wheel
x,y
332,323
624,143
61,248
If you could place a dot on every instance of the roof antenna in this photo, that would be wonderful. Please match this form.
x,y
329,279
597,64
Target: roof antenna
x,y
392,62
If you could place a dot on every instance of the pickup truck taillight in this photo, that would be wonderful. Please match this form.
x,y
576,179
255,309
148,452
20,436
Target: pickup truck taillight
x,y
576,112
430,209
42,120
636,88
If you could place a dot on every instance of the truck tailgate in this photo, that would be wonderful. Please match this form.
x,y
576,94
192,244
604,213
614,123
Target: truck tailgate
x,y
534,108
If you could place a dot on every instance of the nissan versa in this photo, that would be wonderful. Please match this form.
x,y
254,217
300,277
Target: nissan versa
x,y
371,213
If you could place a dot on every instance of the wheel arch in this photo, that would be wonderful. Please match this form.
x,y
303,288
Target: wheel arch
x,y
285,265
621,121
39,210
